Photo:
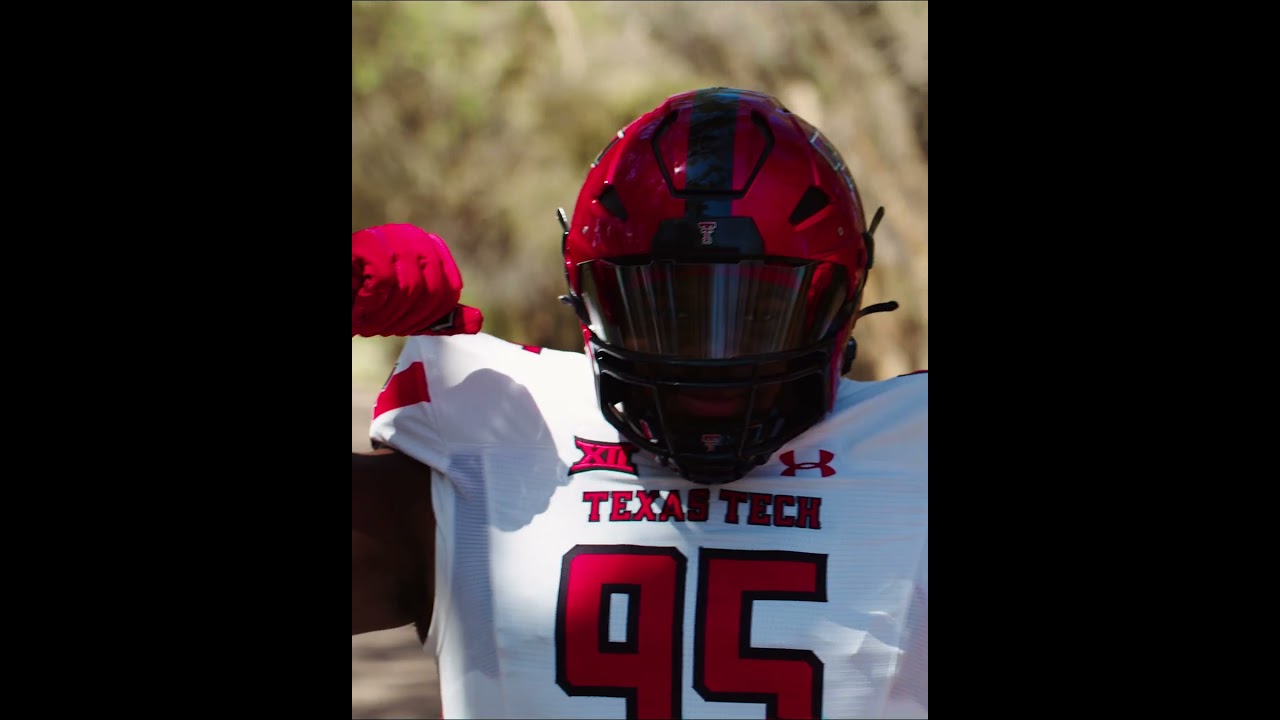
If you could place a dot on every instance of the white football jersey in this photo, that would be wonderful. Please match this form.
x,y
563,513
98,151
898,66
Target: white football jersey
x,y
577,579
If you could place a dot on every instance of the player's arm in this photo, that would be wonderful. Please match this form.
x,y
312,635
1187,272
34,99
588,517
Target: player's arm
x,y
392,541
403,282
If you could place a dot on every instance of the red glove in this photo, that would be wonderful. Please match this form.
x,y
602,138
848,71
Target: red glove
x,y
404,281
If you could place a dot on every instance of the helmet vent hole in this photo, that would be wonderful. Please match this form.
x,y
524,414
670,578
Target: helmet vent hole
x,y
812,201
610,201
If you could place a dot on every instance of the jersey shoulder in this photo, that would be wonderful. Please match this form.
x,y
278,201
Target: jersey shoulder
x,y
469,390
909,392
882,421
454,360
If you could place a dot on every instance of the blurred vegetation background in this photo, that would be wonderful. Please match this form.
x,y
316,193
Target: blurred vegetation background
x,y
476,120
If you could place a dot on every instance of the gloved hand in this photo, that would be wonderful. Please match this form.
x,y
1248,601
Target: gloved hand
x,y
404,281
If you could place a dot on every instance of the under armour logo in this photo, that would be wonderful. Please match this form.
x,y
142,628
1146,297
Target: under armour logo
x,y
788,458
706,228
604,456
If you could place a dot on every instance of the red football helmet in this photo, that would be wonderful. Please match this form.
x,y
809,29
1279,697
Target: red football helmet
x,y
716,260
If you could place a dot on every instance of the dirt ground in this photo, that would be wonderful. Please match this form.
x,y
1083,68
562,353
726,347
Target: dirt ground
x,y
391,676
